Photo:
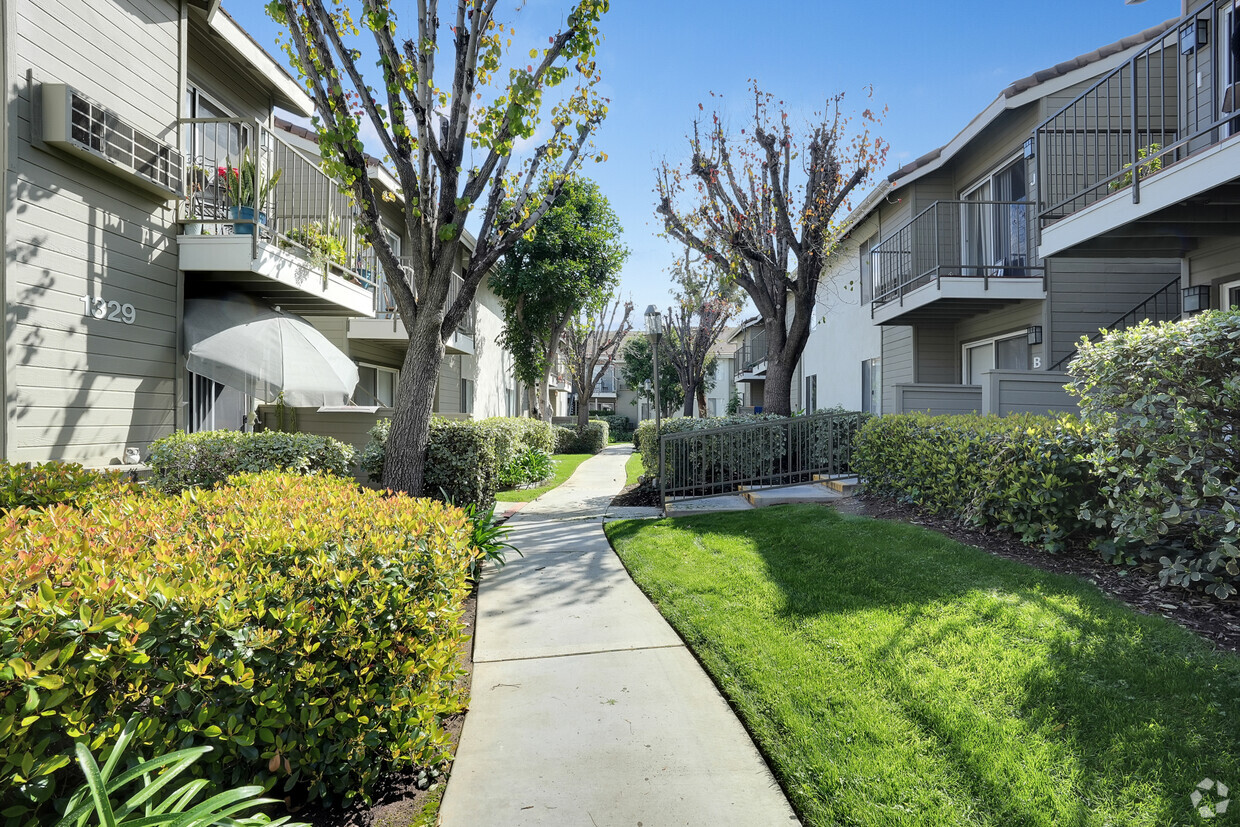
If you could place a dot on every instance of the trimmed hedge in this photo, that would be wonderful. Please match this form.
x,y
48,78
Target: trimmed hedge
x,y
468,460
590,441
1162,405
647,439
305,629
207,458
1023,473
35,486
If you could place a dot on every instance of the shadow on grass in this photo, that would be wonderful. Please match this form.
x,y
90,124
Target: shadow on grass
x,y
1045,701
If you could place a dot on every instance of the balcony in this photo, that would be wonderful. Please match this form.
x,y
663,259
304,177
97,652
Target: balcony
x,y
385,325
955,259
751,359
1146,162
607,386
261,217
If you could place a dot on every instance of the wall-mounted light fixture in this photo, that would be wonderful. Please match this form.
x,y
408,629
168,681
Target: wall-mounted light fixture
x,y
1193,36
1035,334
1029,148
1196,298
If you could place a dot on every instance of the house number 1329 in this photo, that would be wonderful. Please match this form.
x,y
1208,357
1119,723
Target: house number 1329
x,y
111,311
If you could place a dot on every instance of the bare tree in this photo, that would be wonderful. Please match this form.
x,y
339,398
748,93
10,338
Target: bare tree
x,y
746,215
705,303
425,130
591,342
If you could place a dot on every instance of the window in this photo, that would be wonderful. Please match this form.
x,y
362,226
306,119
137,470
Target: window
x,y
510,402
872,386
467,396
712,406
1009,352
1229,295
811,393
994,228
376,385
866,273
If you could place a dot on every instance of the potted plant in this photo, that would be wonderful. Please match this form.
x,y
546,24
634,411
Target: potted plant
x,y
246,186
324,246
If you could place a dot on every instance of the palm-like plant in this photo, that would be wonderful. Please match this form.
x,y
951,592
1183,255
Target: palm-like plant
x,y
246,179
103,802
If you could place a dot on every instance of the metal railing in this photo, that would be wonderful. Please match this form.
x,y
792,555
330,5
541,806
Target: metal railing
x,y
1171,99
972,239
1162,306
771,454
385,302
242,178
751,353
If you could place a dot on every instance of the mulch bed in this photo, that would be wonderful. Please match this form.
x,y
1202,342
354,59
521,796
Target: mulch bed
x,y
1212,620
636,496
400,798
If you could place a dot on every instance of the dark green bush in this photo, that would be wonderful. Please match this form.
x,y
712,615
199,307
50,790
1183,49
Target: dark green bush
x,y
523,447
647,441
1162,406
206,458
35,486
307,630
1026,474
590,441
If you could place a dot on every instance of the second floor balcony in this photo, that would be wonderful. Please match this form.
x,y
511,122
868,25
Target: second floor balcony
x,y
261,216
955,259
750,359
1146,161
386,325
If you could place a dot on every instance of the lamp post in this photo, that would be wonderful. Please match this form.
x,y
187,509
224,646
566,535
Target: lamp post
x,y
654,329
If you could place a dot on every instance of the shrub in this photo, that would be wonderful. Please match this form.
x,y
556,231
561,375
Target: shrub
x,y
307,630
590,441
35,486
647,439
523,447
206,458
1025,474
1160,403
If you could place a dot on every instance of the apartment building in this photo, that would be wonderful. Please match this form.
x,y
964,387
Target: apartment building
x,y
147,174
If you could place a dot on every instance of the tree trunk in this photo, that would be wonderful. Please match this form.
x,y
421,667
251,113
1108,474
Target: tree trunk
x,y
544,410
404,465
777,391
690,396
701,399
583,412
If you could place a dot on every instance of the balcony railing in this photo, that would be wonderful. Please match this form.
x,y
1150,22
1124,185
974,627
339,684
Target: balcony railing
x,y
1175,97
963,239
385,302
242,178
751,353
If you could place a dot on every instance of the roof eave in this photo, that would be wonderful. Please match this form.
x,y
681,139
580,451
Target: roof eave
x,y
287,92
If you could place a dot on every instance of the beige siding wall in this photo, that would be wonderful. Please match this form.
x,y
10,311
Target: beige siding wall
x,y
492,365
81,388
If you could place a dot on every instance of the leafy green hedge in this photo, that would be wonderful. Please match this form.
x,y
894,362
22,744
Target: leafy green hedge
x,y
1024,473
306,630
35,486
1162,405
206,458
590,441
646,437
469,460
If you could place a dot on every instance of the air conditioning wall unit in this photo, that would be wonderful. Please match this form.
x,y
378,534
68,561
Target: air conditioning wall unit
x,y
78,125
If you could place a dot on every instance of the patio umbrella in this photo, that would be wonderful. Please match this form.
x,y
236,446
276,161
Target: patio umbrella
x,y
240,342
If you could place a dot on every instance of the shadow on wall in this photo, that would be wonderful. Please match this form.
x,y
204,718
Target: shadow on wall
x,y
83,388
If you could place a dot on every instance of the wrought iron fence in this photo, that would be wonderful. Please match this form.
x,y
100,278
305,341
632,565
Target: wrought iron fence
x,y
1173,98
968,238
772,453
385,302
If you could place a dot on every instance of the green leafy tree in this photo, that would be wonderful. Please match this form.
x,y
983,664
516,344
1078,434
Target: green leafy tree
x,y
449,135
638,369
569,260
748,213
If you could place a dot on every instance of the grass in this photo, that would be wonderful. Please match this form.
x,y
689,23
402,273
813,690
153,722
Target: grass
x,y
895,677
565,465
633,469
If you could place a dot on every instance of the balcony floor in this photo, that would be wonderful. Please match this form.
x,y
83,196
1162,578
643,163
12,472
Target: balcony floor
x,y
952,298
392,331
277,276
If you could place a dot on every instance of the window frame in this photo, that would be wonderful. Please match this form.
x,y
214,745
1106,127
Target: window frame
x,y
992,341
378,369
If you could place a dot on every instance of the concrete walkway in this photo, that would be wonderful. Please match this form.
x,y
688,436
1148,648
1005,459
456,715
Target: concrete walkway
x,y
587,709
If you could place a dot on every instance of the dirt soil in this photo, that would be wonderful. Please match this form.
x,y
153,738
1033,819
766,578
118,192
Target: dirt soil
x,y
401,797
1139,588
637,495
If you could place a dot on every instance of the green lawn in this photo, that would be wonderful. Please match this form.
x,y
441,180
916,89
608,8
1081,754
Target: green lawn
x,y
896,677
565,465
633,469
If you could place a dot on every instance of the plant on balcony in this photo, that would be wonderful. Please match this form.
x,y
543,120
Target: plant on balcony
x,y
247,185
1143,170
325,247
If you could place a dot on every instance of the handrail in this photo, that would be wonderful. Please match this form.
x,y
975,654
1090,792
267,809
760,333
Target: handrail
x,y
1137,315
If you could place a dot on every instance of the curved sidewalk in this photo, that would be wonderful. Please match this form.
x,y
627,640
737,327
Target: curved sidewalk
x,y
587,708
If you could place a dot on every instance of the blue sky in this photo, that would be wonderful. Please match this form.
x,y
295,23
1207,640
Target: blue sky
x,y
933,64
